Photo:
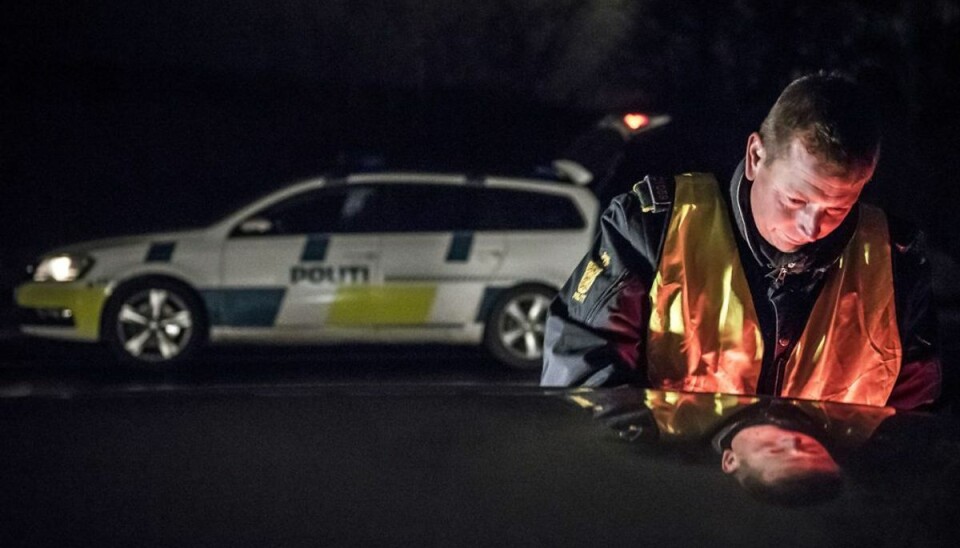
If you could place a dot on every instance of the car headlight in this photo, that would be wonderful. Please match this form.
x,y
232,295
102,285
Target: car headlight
x,y
61,268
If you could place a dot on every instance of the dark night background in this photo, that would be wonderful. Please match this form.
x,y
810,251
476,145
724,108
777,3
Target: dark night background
x,y
122,116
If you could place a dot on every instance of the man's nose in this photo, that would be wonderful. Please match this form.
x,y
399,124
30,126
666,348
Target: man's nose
x,y
809,224
792,441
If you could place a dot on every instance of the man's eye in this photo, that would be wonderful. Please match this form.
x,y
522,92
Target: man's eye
x,y
797,202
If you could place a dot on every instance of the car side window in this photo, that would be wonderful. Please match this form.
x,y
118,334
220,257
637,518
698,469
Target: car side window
x,y
315,211
362,210
427,208
347,208
417,208
509,209
446,208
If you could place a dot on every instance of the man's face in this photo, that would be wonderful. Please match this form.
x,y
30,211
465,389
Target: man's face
x,y
776,454
795,199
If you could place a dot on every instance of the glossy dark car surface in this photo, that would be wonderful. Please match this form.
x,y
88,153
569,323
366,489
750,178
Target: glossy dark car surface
x,y
440,466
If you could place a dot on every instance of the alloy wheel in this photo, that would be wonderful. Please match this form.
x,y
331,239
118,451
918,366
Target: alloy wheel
x,y
521,325
154,325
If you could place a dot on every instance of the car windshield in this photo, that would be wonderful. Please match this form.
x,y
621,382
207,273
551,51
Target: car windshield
x,y
215,209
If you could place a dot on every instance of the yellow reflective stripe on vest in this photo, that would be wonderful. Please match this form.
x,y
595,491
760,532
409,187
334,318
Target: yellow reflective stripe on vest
x,y
704,334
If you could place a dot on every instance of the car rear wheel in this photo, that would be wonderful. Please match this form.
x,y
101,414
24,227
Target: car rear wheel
x,y
514,331
155,323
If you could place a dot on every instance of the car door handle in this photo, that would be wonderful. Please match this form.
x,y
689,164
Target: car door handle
x,y
491,253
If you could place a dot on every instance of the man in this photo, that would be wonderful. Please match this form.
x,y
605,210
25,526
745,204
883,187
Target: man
x,y
785,285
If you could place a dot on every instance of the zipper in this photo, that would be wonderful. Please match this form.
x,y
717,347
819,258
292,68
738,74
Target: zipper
x,y
777,362
782,274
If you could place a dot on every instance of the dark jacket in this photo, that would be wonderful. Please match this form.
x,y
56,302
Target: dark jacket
x,y
596,330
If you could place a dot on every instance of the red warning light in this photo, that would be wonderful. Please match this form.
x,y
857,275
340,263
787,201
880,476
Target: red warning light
x,y
636,121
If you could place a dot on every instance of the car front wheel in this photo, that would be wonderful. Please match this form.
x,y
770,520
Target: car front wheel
x,y
154,323
514,331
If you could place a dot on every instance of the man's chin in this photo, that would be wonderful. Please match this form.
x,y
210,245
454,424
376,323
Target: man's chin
x,y
785,245
787,248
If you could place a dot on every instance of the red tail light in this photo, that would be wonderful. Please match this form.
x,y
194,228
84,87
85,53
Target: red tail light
x,y
635,120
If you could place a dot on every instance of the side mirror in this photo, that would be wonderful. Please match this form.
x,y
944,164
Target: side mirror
x,y
255,225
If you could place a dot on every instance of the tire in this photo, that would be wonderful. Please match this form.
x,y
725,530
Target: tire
x,y
154,323
514,330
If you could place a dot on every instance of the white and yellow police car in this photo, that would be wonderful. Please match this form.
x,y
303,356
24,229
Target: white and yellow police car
x,y
389,257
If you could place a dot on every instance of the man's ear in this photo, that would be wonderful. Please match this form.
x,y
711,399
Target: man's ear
x,y
729,461
755,155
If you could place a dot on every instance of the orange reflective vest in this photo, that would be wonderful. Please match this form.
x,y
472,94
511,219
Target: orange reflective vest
x,y
704,335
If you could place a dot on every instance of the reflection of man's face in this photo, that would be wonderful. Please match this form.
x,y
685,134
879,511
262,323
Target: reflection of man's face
x,y
774,454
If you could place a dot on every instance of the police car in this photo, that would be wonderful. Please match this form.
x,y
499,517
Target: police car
x,y
389,257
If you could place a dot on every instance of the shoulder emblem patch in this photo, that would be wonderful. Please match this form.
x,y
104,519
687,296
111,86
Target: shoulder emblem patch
x,y
590,275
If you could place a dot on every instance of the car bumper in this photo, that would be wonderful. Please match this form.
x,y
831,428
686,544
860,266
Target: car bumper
x,y
61,310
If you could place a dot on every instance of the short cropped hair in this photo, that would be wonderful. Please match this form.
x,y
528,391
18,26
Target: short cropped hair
x,y
801,490
834,117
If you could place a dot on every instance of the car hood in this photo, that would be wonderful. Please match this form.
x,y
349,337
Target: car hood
x,y
500,466
124,241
